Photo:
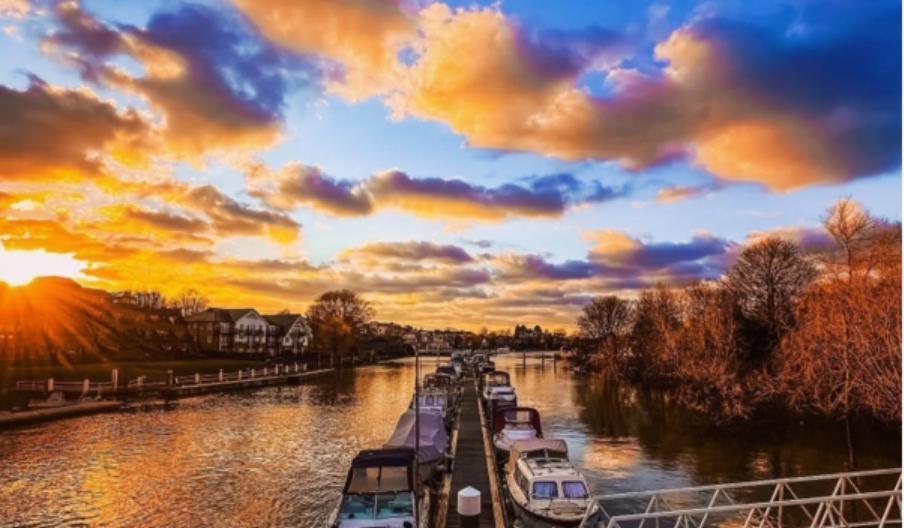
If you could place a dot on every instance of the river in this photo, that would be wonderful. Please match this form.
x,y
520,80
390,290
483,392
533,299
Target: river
x,y
278,456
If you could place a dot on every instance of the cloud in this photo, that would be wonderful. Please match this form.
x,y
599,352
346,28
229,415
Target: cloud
x,y
298,185
411,250
229,217
735,98
364,36
52,133
302,185
678,193
219,84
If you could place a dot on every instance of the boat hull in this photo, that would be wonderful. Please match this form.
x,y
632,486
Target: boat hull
x,y
530,519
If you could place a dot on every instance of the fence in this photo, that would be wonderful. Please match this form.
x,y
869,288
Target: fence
x,y
852,499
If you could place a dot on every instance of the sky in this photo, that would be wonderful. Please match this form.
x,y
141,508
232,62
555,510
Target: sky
x,y
460,164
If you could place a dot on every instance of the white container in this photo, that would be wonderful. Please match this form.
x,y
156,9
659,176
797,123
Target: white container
x,y
469,502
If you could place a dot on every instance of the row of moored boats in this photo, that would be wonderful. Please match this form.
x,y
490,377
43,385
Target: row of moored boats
x,y
542,485
392,486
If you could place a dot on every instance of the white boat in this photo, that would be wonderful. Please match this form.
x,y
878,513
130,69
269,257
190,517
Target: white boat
x,y
433,445
433,400
380,491
493,378
511,425
545,487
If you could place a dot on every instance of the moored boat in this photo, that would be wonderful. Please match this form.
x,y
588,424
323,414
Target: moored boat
x,y
513,424
545,487
433,445
380,490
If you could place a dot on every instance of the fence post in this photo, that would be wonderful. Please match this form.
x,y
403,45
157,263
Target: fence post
x,y
220,375
114,377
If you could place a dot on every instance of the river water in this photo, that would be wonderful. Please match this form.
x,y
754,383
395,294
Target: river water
x,y
278,456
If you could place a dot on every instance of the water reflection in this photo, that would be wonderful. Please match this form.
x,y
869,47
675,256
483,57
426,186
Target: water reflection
x,y
277,457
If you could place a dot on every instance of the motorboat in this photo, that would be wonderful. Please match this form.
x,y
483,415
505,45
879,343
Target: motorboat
x,y
433,445
448,370
381,490
511,425
434,400
500,397
495,378
441,382
458,363
545,487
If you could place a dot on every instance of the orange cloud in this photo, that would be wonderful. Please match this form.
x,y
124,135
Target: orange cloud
x,y
52,133
363,35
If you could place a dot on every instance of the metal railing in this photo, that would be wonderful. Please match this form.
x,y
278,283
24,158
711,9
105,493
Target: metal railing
x,y
853,499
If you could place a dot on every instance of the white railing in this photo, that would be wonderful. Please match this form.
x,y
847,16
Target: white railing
x,y
853,499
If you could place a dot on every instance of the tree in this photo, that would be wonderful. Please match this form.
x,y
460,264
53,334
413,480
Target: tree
x,y
606,320
190,302
766,281
604,316
336,319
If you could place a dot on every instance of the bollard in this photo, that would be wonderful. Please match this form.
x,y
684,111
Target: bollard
x,y
220,376
49,384
197,378
170,380
114,377
86,386
468,506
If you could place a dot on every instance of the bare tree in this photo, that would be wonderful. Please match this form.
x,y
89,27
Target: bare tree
x,y
190,302
606,320
766,281
336,317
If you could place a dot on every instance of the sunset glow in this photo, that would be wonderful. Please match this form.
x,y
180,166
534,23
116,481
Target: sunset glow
x,y
472,166
20,267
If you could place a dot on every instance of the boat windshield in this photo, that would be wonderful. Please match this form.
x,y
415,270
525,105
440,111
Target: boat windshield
x,y
394,505
543,489
574,489
376,505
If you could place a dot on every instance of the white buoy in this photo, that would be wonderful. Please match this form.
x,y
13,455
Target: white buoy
x,y
469,502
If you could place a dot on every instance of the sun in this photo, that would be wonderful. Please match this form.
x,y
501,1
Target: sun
x,y
19,267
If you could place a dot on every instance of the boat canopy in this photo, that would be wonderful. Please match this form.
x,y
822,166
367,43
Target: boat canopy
x,y
449,370
381,470
440,381
537,448
517,415
497,377
434,439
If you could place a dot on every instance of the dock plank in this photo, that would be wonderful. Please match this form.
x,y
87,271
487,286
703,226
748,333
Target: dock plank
x,y
470,467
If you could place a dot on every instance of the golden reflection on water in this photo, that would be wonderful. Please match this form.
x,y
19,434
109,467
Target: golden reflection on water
x,y
278,457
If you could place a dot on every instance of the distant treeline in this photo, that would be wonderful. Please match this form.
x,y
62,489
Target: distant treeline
x,y
814,330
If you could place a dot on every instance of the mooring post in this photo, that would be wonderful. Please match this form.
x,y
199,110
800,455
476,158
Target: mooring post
x,y
252,373
240,375
220,376
265,371
468,506
114,377
49,384
170,379
86,386
296,367
197,378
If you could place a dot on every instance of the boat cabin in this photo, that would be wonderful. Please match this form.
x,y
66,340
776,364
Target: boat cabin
x,y
517,418
544,483
379,486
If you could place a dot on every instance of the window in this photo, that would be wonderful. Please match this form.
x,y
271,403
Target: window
x,y
544,490
574,489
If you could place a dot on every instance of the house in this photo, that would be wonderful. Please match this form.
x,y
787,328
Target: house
x,y
289,333
245,331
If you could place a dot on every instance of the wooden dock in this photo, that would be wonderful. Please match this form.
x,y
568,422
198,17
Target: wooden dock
x,y
31,416
240,383
473,463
